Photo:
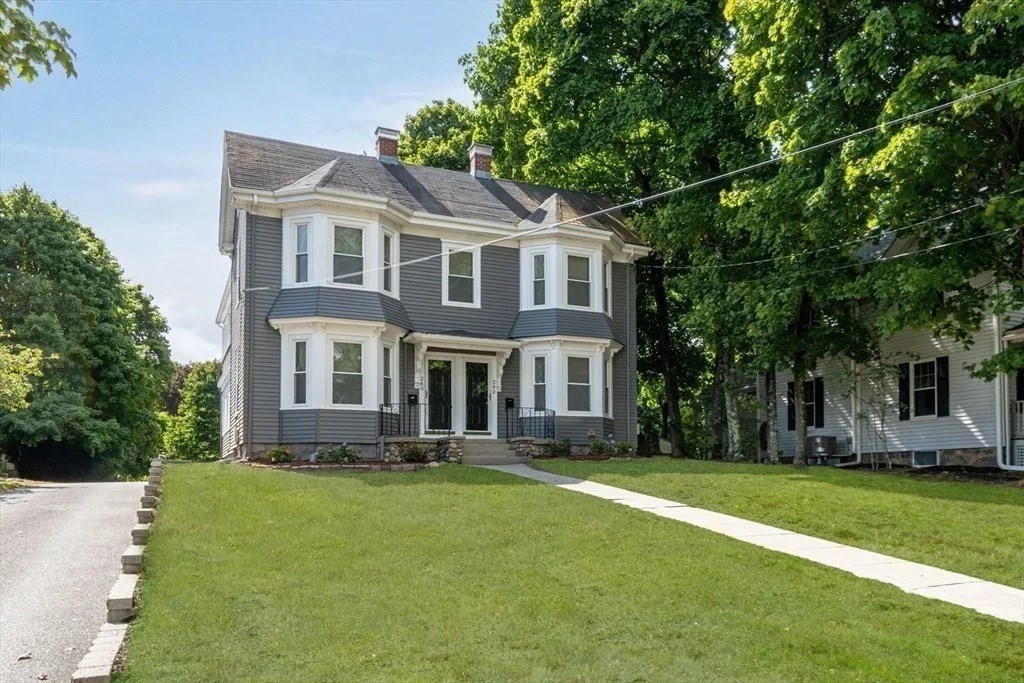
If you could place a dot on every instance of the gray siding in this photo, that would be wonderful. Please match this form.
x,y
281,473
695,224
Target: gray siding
x,y
576,428
263,374
509,389
332,302
421,291
546,322
328,426
624,387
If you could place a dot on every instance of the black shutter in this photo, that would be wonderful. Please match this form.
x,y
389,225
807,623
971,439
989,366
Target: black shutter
x,y
1020,385
819,402
942,385
904,392
790,407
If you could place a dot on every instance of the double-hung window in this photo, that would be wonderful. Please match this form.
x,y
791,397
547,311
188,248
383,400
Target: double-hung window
x,y
348,255
607,290
299,374
578,280
386,372
302,252
540,382
578,384
608,387
925,389
388,260
539,279
809,403
461,277
347,373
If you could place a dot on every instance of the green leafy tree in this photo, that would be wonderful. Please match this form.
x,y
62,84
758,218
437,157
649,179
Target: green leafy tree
x,y
620,98
26,46
438,134
194,432
172,394
19,367
103,346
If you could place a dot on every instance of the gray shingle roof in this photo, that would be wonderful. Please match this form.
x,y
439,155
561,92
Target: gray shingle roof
x,y
256,163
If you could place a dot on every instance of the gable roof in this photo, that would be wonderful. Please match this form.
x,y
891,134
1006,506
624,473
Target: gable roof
x,y
263,164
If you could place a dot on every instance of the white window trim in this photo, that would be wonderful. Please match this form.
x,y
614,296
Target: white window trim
x,y
935,390
590,381
364,243
288,379
296,253
593,258
606,281
333,339
608,374
527,399
289,243
394,257
446,249
392,348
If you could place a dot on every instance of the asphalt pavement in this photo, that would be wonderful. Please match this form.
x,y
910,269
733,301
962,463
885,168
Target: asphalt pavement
x,y
60,552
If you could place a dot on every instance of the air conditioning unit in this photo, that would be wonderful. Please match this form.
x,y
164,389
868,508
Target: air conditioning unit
x,y
820,446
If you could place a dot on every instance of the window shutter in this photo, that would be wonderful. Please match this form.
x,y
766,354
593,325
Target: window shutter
x,y
1020,385
819,402
904,391
790,407
942,386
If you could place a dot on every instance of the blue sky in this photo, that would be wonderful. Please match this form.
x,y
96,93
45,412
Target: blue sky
x,y
133,146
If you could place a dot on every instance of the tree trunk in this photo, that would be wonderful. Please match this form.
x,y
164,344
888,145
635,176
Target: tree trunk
x,y
800,454
732,414
664,344
772,408
716,404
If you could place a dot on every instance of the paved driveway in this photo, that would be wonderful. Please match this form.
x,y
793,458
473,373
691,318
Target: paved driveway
x,y
60,550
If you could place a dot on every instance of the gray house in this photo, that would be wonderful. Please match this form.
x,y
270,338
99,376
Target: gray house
x,y
369,298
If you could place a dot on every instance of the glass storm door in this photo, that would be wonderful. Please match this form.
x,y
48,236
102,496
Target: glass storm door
x,y
477,389
439,395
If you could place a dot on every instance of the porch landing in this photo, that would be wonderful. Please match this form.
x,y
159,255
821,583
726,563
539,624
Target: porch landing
x,y
490,452
986,597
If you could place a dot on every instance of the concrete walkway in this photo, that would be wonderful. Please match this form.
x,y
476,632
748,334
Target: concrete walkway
x,y
997,600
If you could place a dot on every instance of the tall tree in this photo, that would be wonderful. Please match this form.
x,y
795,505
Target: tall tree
x,y
103,341
19,368
438,134
194,432
615,97
27,46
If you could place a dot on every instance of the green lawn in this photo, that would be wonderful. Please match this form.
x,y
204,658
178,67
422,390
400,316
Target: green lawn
x,y
972,528
462,574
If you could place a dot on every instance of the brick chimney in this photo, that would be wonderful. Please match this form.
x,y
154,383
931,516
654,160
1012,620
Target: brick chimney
x,y
480,160
387,144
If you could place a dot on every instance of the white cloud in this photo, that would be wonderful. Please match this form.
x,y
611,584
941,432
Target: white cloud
x,y
156,189
188,345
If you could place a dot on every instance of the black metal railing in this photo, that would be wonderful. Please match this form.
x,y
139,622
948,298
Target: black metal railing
x,y
536,422
412,419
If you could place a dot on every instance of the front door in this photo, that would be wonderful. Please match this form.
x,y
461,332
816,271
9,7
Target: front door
x,y
477,391
458,395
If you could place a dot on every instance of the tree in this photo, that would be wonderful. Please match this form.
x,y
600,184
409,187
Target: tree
x,y
25,46
618,98
61,291
194,433
19,368
173,391
438,134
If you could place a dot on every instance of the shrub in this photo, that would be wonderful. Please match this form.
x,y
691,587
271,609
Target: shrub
x,y
280,454
561,448
342,453
414,452
599,446
623,449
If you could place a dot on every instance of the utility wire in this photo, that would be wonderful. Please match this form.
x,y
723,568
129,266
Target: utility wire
x,y
890,258
637,203
811,252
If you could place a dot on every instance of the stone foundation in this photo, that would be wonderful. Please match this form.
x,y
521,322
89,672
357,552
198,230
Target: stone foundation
x,y
948,457
447,449
304,451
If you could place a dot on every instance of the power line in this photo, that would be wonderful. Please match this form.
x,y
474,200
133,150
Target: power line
x,y
637,203
891,258
811,252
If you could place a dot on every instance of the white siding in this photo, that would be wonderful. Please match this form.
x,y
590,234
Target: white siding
x,y
972,415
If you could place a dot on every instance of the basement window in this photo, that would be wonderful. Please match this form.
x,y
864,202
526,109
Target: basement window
x,y
924,459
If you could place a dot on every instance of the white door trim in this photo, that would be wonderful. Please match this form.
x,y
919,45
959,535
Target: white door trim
x,y
458,390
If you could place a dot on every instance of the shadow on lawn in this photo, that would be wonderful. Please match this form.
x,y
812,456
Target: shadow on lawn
x,y
891,482
447,474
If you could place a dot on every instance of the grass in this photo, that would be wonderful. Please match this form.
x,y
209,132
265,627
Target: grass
x,y
10,484
971,528
462,574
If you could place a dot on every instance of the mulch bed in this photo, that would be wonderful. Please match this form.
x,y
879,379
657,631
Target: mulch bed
x,y
363,465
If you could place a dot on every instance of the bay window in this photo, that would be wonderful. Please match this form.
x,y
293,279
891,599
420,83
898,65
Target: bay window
x,y
539,280
386,374
302,252
540,386
388,258
578,384
299,373
607,395
347,373
348,255
607,289
578,280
